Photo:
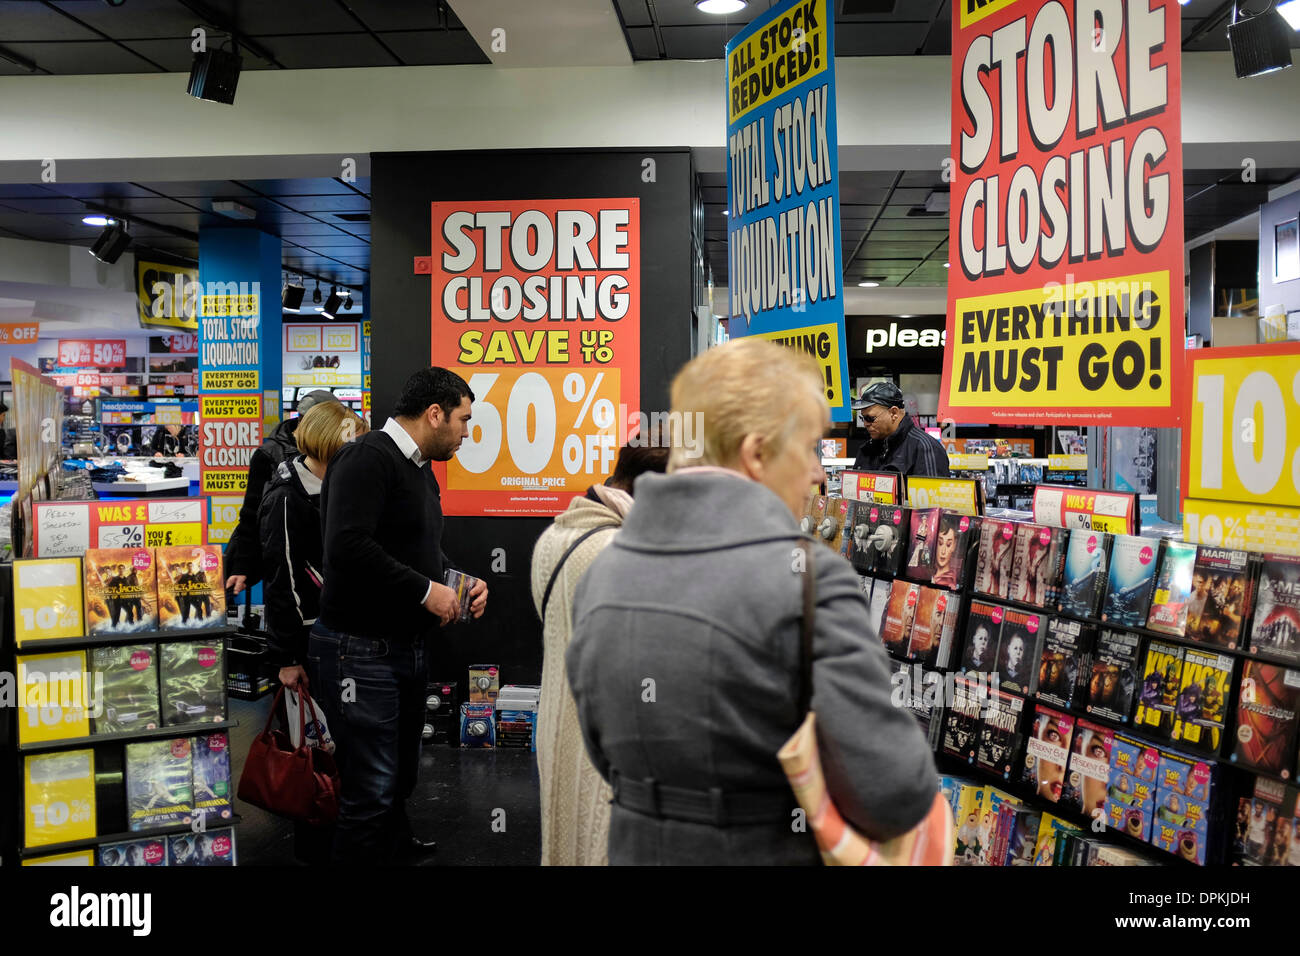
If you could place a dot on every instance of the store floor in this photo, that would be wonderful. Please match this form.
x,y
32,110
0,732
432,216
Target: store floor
x,y
456,802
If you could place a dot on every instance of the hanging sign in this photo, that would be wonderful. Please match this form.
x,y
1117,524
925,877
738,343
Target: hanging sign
x,y
537,305
1066,233
167,295
783,194
231,430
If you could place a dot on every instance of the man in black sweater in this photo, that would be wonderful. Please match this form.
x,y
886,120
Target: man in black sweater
x,y
383,594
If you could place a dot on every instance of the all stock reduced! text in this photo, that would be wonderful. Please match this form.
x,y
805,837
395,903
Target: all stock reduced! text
x,y
1066,289
537,305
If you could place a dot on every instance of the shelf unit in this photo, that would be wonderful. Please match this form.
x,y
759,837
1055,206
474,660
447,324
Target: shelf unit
x,y
158,733
28,853
169,636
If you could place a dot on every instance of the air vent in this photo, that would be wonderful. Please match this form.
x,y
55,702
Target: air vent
x,y
353,216
861,8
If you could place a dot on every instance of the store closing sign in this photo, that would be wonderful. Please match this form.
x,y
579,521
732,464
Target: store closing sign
x,y
536,304
783,232
1066,235
231,431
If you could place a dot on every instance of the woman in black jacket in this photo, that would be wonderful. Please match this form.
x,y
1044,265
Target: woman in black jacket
x,y
290,530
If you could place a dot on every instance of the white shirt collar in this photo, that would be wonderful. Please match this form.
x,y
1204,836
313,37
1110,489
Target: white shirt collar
x,y
405,443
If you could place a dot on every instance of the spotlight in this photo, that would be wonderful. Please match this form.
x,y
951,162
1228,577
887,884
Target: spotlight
x,y
868,285
97,220
721,7
332,304
214,76
347,300
1290,11
947,265
292,299
1260,42
112,242
315,296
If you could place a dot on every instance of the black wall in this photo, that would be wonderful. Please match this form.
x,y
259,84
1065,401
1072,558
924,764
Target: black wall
x,y
403,185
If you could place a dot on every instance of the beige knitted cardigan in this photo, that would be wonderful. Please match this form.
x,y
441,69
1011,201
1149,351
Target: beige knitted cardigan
x,y
575,800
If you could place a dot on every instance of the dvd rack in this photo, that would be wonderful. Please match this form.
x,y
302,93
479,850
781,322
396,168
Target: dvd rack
x,y
1233,778
109,750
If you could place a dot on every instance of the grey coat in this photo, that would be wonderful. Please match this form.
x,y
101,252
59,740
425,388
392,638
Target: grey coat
x,y
698,593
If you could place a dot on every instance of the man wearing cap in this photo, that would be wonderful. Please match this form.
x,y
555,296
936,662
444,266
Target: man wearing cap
x,y
243,556
894,442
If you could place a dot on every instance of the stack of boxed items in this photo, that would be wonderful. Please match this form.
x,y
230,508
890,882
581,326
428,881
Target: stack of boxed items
x,y
497,716
516,716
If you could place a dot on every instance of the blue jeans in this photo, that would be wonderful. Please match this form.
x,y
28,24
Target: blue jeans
x,y
372,692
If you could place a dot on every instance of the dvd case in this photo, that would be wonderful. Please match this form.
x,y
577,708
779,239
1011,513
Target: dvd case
x,y
1019,650
1115,676
159,775
133,853
1220,598
120,591
1202,700
880,539
1001,740
1063,668
921,544
193,678
983,630
1037,566
126,679
961,721
191,587
212,848
462,584
1267,709
934,629
1131,582
995,558
1086,568
1160,685
958,536
1047,752
1173,589
1088,774
896,631
1275,629
212,777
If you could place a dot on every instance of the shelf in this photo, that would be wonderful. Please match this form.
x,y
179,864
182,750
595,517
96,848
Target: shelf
x,y
163,733
174,635
29,852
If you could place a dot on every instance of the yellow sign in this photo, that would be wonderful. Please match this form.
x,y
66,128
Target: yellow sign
x,y
968,462
215,482
1045,348
365,327
170,535
1242,527
230,406
47,600
59,797
55,700
1067,462
822,342
167,414
76,858
321,377
226,380
223,516
270,411
167,295
972,11
244,306
788,51
954,494
365,401
1243,428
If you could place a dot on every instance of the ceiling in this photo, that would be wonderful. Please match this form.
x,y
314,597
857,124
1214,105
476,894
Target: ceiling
x,y
145,36
324,224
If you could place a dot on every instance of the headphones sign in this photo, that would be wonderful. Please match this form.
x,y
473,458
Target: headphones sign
x,y
1065,298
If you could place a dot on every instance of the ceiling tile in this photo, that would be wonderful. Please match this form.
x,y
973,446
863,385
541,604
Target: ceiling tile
x,y
435,47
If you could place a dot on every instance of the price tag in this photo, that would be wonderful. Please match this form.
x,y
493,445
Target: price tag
x,y
1243,418
954,494
62,528
168,535
54,699
121,536
1067,462
223,518
76,858
1242,527
47,600
965,462
59,797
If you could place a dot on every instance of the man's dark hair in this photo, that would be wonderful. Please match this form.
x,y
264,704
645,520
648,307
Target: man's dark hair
x,y
634,461
432,386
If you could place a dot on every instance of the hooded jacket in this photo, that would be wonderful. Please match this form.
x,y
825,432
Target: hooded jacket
x,y
575,800
243,553
909,451
700,595
290,531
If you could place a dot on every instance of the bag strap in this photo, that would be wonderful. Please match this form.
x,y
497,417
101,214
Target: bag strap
x,y
546,598
275,709
807,622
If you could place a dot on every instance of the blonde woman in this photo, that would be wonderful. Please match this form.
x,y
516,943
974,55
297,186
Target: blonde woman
x,y
685,655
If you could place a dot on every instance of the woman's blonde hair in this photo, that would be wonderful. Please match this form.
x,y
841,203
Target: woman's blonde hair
x,y
325,429
747,386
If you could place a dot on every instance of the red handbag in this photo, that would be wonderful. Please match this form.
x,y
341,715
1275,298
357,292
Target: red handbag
x,y
301,784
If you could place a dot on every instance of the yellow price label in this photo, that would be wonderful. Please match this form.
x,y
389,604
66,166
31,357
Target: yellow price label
x,y
954,494
968,462
1067,462
1243,435
223,517
169,535
59,797
1242,527
47,600
230,380
76,858
1110,523
54,702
